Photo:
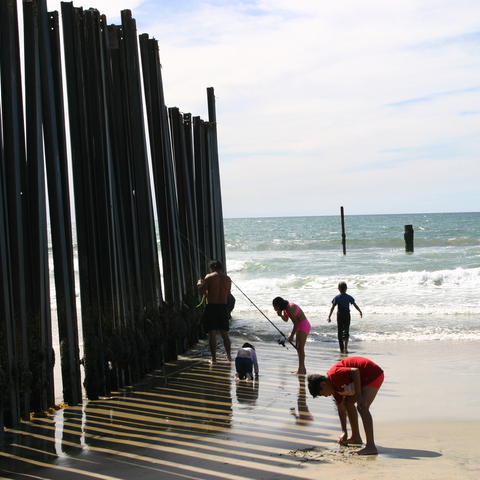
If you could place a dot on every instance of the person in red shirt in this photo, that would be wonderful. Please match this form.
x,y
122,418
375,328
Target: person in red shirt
x,y
353,380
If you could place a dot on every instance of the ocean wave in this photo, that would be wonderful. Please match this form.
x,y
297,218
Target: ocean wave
x,y
399,307
439,334
431,293
235,265
410,336
459,277
334,244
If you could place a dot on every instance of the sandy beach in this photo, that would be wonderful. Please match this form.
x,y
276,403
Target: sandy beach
x,y
191,420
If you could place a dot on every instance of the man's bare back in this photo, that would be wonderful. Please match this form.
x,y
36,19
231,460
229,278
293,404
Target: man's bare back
x,y
216,286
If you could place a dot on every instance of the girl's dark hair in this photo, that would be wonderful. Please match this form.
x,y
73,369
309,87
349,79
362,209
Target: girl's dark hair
x,y
247,345
314,382
280,302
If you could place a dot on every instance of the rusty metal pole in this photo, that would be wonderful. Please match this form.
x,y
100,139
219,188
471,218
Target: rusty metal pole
x,y
59,203
15,184
216,192
162,166
143,195
202,203
42,361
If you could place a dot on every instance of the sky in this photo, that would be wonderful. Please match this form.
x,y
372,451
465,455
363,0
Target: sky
x,y
371,105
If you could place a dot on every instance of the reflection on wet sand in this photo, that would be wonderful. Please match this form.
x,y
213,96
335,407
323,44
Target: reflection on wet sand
x,y
303,415
177,425
247,392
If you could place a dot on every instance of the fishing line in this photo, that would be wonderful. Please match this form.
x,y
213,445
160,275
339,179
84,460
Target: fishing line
x,y
281,341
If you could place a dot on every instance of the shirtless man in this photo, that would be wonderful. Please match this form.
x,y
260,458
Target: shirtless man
x,y
216,287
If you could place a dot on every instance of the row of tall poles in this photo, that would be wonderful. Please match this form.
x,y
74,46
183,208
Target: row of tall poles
x,y
135,164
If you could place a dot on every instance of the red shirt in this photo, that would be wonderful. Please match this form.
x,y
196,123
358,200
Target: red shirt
x,y
340,375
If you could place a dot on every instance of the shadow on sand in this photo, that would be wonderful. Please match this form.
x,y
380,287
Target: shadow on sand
x,y
189,420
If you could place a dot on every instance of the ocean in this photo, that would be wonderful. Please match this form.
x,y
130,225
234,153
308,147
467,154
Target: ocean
x,y
431,294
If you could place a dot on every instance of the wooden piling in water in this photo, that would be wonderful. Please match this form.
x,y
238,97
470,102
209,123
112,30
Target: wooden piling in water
x,y
344,241
408,236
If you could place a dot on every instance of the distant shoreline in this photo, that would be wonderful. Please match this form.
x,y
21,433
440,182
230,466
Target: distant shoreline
x,y
349,215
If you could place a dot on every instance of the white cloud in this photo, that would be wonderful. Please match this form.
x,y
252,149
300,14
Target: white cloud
x,y
322,104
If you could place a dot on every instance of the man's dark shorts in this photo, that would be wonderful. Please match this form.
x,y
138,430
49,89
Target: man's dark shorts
x,y
215,317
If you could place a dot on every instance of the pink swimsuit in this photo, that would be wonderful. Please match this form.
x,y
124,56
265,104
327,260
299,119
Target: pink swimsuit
x,y
304,325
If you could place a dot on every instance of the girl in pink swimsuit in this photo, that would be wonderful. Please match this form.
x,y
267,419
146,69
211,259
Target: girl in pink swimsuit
x,y
301,328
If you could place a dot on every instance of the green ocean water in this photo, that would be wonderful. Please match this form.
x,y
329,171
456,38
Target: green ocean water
x,y
430,294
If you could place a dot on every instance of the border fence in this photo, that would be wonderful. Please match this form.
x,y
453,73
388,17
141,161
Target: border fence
x,y
138,169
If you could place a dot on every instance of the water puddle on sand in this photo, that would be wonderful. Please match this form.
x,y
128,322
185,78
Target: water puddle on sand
x,y
187,420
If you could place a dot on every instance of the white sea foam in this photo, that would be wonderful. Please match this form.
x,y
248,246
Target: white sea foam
x,y
430,294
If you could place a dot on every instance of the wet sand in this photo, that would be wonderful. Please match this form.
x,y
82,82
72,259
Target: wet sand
x,y
191,420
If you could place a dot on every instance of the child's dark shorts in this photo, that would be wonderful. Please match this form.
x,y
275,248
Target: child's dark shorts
x,y
244,365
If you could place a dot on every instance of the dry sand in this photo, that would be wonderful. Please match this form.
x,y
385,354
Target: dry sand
x,y
191,420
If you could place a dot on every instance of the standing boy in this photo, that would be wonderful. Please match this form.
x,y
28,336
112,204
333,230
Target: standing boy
x,y
343,300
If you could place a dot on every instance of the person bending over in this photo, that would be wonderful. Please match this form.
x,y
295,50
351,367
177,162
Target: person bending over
x,y
353,380
246,362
